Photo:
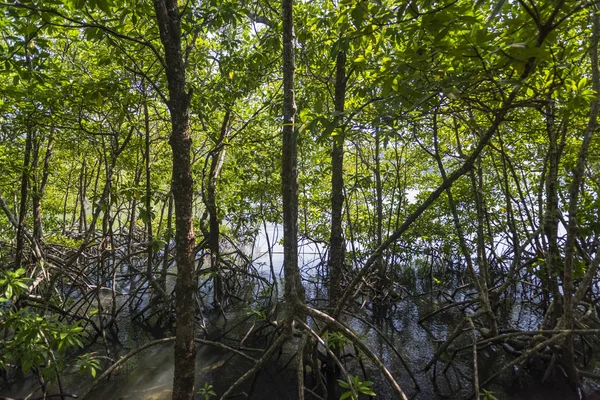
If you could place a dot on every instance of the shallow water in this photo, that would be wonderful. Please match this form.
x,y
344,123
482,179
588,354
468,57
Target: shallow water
x,y
149,374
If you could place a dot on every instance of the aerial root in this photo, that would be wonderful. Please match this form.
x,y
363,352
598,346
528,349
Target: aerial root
x,y
336,359
475,366
453,336
525,356
391,345
335,324
258,365
300,366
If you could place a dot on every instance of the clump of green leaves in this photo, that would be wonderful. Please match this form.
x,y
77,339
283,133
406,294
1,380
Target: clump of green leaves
x,y
335,340
87,363
207,391
360,387
29,339
259,314
34,339
13,284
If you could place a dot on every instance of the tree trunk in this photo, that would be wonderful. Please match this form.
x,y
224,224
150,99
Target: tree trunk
x,y
217,156
567,321
379,203
83,183
148,197
165,261
551,216
23,203
294,291
38,193
337,243
66,202
168,18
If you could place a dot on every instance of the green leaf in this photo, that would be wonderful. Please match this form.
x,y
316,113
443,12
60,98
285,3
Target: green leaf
x,y
330,128
358,15
304,113
104,6
343,384
360,59
22,285
345,395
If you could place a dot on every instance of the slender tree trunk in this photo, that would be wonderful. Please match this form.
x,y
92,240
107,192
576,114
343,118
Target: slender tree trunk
x,y
165,264
23,201
83,182
575,188
294,291
168,18
551,216
132,225
216,163
107,204
148,197
38,193
337,243
133,210
379,206
66,202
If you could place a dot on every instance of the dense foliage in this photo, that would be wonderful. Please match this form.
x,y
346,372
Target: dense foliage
x,y
463,134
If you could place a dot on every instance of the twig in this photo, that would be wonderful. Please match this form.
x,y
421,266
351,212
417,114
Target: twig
x,y
225,347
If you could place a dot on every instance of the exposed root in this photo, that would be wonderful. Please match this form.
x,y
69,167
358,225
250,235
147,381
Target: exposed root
x,y
259,364
335,324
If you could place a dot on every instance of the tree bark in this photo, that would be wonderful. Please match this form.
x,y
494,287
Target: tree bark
x,y
575,188
337,244
551,216
217,156
38,193
381,266
23,203
83,182
294,291
168,18
148,196
166,250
